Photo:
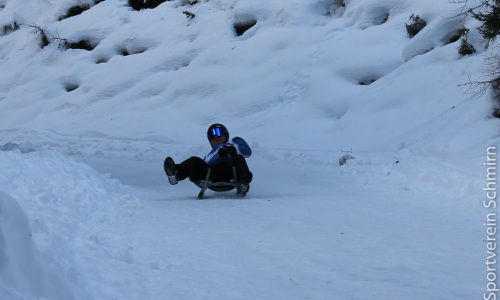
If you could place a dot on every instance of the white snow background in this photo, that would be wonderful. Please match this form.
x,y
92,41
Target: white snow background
x,y
86,211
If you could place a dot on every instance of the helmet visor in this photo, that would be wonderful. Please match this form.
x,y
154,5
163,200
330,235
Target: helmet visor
x,y
216,132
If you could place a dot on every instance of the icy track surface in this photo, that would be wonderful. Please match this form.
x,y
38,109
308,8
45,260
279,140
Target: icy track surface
x,y
107,225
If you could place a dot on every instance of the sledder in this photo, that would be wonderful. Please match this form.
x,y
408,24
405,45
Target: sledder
x,y
223,169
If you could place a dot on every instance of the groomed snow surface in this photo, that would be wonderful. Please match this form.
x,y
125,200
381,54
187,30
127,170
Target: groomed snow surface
x,y
86,211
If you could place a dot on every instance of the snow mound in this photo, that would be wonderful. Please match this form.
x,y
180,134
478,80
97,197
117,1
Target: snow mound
x,y
54,218
25,273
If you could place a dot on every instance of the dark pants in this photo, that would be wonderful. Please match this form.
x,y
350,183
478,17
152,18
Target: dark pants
x,y
196,169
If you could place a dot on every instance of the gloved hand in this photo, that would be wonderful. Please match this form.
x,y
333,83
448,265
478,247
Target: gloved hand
x,y
226,151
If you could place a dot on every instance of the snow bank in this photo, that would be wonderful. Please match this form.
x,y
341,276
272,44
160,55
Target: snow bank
x,y
24,271
156,69
53,219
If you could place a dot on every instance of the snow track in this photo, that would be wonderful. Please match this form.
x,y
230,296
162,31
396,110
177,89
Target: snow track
x,y
309,234
305,230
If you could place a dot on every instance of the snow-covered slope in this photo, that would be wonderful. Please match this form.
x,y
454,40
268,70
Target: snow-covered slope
x,y
302,60
85,132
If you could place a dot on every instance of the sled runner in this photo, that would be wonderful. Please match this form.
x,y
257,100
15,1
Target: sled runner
x,y
221,186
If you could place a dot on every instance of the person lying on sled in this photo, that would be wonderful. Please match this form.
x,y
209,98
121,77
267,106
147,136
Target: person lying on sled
x,y
224,155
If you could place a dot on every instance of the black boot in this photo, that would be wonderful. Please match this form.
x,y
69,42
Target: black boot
x,y
171,170
242,189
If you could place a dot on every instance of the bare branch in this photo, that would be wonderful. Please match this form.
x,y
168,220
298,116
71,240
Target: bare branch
x,y
47,38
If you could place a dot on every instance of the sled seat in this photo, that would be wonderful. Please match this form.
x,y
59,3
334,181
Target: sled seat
x,y
219,186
